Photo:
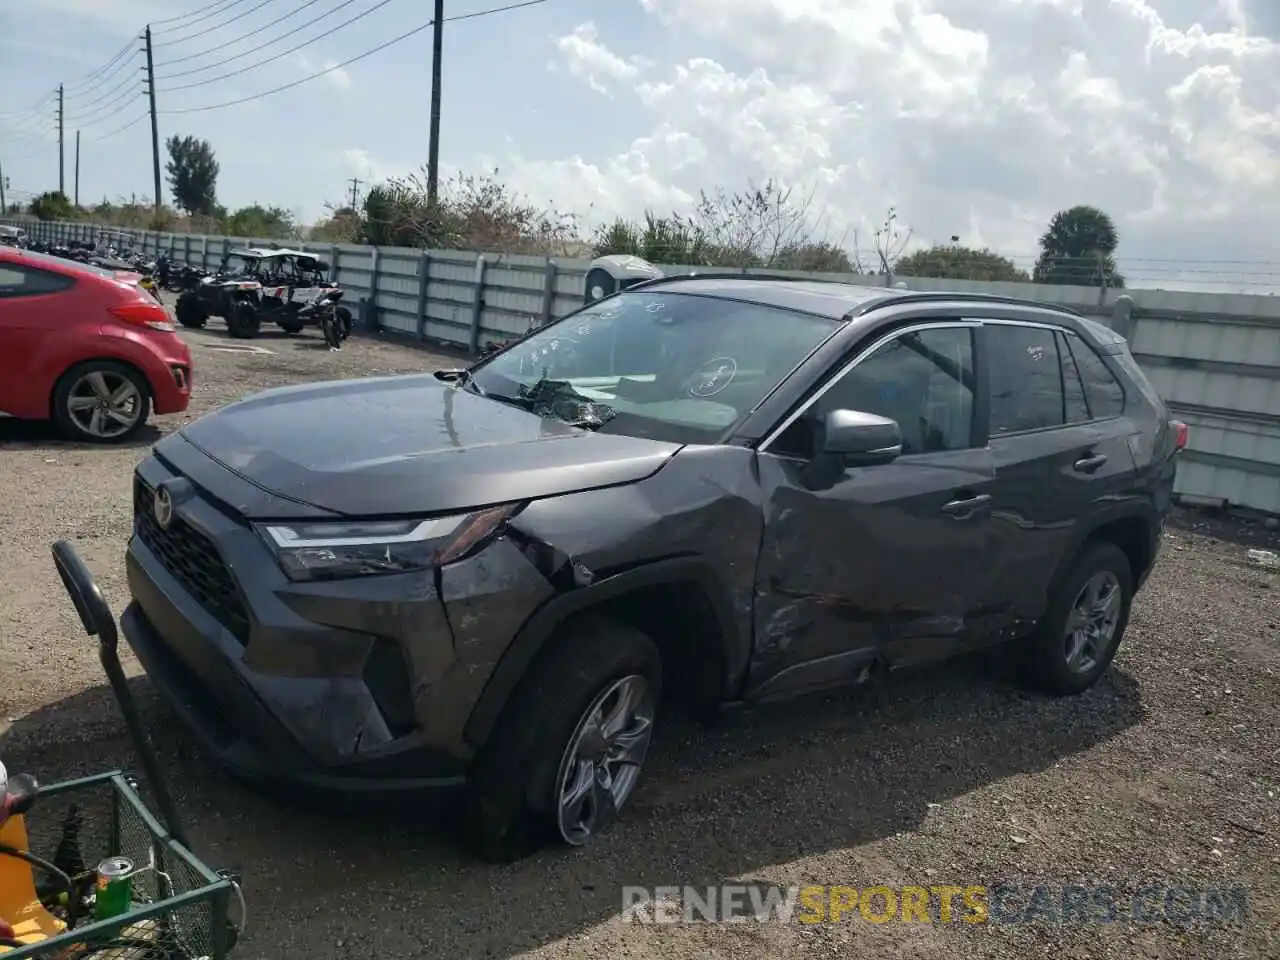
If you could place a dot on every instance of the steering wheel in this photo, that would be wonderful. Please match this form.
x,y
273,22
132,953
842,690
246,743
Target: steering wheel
x,y
711,377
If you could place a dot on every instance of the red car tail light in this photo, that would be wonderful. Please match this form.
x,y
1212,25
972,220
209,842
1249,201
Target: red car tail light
x,y
143,314
1179,434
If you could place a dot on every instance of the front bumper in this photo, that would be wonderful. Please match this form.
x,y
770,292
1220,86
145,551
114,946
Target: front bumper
x,y
355,686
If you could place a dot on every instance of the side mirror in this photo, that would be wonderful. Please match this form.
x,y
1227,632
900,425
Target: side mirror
x,y
861,439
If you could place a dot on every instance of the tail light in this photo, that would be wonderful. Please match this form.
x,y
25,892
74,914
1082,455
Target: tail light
x,y
143,314
1179,434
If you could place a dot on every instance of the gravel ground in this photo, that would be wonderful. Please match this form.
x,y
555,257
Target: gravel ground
x,y
1166,773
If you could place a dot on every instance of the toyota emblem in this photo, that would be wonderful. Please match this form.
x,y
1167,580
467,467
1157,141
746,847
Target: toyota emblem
x,y
163,508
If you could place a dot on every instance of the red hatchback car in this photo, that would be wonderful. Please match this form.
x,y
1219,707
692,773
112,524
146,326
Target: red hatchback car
x,y
85,347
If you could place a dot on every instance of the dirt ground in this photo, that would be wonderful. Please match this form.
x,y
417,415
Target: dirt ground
x,y
1167,773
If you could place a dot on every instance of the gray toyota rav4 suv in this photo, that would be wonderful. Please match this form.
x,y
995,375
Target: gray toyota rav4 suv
x,y
726,489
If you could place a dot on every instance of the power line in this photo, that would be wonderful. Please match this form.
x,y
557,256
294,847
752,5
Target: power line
x,y
32,111
122,89
100,75
294,49
216,26
182,16
251,50
99,117
358,57
120,129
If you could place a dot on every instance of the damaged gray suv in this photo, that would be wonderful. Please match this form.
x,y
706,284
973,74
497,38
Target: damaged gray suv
x,y
712,490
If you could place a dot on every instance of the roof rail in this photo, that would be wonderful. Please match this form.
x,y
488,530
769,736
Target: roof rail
x,y
727,275
927,296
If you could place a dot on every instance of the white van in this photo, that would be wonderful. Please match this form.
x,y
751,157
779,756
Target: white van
x,y
12,236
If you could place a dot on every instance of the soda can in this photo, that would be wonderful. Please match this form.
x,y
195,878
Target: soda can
x,y
114,889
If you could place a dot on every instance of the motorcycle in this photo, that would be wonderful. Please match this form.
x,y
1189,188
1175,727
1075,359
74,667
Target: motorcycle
x,y
149,284
335,321
117,883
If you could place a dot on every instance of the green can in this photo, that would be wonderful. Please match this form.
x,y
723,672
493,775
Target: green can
x,y
114,889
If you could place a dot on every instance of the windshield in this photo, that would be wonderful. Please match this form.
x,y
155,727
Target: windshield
x,y
242,263
669,366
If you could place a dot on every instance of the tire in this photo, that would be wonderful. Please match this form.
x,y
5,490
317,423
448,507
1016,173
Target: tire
x,y
513,808
332,331
1048,664
75,415
290,326
189,312
243,322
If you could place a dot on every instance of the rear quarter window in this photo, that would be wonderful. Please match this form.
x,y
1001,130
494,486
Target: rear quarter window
x,y
20,280
1103,391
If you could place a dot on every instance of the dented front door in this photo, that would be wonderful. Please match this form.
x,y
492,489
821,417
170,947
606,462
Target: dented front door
x,y
881,562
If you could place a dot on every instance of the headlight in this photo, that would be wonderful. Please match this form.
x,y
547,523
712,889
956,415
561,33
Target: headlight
x,y
331,551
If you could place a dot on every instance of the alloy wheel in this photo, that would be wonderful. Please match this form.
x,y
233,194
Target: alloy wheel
x,y
105,404
601,764
1092,622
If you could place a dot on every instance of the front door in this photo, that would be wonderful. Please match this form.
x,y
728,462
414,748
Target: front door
x,y
883,561
31,315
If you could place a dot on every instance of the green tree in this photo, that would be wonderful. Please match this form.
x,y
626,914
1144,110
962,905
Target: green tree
x,y
255,220
193,175
52,205
954,262
1078,249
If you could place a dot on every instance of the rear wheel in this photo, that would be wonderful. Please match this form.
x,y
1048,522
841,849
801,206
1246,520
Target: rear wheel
x,y
1081,631
568,750
189,312
101,401
242,320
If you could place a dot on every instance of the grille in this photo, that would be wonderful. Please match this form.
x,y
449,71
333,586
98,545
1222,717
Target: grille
x,y
193,561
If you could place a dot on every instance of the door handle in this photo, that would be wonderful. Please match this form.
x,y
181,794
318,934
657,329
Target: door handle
x,y
961,509
1089,464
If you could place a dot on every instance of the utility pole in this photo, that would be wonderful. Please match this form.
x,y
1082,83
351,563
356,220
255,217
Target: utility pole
x,y
155,129
62,181
77,200
355,190
4,209
433,149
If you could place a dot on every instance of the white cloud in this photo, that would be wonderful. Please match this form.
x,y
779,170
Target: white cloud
x,y
587,59
958,112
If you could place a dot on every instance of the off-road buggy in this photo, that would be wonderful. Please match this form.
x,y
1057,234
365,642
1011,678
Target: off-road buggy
x,y
289,288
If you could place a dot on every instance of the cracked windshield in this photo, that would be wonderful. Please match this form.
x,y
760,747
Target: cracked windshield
x,y
667,366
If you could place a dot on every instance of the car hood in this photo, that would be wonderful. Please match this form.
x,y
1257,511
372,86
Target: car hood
x,y
410,445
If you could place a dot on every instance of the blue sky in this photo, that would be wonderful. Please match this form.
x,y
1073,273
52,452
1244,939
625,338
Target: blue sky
x,y
972,118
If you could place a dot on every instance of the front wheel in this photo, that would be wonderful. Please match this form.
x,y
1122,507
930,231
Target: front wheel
x,y
332,330
569,749
1081,631
101,401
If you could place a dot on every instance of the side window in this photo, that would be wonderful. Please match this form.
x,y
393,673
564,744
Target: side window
x,y
923,380
1075,405
17,280
1025,377
1106,396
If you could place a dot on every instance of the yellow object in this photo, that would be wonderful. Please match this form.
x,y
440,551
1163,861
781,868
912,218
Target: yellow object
x,y
19,904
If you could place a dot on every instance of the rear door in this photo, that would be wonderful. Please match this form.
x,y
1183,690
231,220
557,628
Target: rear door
x,y
1054,459
32,316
